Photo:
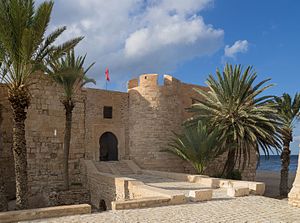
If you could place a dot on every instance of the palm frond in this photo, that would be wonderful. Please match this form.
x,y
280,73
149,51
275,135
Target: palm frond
x,y
23,46
233,103
197,145
69,72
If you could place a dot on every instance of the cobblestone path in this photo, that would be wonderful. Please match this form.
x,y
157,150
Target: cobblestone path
x,y
245,209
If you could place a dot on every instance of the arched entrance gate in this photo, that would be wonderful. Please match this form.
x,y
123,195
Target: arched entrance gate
x,y
108,147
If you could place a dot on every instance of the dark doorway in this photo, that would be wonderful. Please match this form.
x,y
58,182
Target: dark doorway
x,y
102,205
108,147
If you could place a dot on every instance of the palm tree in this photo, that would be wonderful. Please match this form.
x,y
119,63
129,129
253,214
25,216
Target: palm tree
x,y
3,199
246,119
68,72
197,145
289,110
24,48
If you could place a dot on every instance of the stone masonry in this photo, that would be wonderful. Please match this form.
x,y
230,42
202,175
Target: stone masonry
x,y
294,195
142,121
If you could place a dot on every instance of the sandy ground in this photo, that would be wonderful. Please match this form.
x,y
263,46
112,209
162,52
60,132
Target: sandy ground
x,y
272,180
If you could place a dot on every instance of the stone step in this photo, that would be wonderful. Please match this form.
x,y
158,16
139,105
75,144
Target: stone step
x,y
102,167
140,203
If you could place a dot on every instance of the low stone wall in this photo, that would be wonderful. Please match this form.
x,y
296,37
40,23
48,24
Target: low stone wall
x,y
40,213
102,186
73,196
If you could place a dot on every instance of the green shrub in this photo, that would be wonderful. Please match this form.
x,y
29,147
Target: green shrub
x,y
197,145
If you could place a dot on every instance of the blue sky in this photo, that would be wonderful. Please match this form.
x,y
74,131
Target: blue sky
x,y
272,29
186,38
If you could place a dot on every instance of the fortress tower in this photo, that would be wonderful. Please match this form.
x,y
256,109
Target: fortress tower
x,y
154,113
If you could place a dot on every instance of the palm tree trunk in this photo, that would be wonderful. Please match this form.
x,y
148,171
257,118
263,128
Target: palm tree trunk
x,y
20,156
3,198
69,105
19,100
285,162
230,163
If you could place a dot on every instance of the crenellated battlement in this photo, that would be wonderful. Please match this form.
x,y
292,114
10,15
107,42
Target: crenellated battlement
x,y
151,81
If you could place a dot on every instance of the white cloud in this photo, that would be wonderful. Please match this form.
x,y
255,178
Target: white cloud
x,y
297,139
240,46
137,36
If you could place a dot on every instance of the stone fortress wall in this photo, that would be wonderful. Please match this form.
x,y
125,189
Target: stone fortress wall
x,y
142,121
44,137
6,155
96,124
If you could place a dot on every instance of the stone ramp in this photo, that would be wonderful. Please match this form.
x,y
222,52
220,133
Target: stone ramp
x,y
124,185
118,168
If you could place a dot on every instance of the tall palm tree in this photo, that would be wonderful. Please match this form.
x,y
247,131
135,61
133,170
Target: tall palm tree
x,y
24,49
246,119
69,73
197,145
289,110
3,198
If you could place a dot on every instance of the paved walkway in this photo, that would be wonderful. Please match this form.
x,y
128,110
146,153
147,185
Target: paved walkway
x,y
245,209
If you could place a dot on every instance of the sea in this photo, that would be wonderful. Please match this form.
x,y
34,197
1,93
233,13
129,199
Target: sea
x,y
273,163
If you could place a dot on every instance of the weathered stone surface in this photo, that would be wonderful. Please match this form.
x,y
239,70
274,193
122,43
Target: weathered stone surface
x,y
51,212
200,195
237,191
210,182
72,196
6,155
294,195
140,203
257,188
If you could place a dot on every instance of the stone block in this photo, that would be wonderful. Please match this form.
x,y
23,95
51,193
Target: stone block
x,y
200,195
210,182
238,191
132,83
178,199
196,178
257,188
39,213
140,203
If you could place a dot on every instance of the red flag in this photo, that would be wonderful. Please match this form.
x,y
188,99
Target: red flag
x,y
107,74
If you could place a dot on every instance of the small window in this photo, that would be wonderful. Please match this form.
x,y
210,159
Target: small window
x,y
107,112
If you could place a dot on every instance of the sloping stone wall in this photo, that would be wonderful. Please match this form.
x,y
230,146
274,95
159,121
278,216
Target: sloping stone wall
x,y
104,188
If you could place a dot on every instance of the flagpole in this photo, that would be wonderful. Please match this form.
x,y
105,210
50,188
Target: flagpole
x,y
106,84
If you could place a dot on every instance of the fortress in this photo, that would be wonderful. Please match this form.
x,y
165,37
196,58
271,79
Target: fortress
x,y
107,126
